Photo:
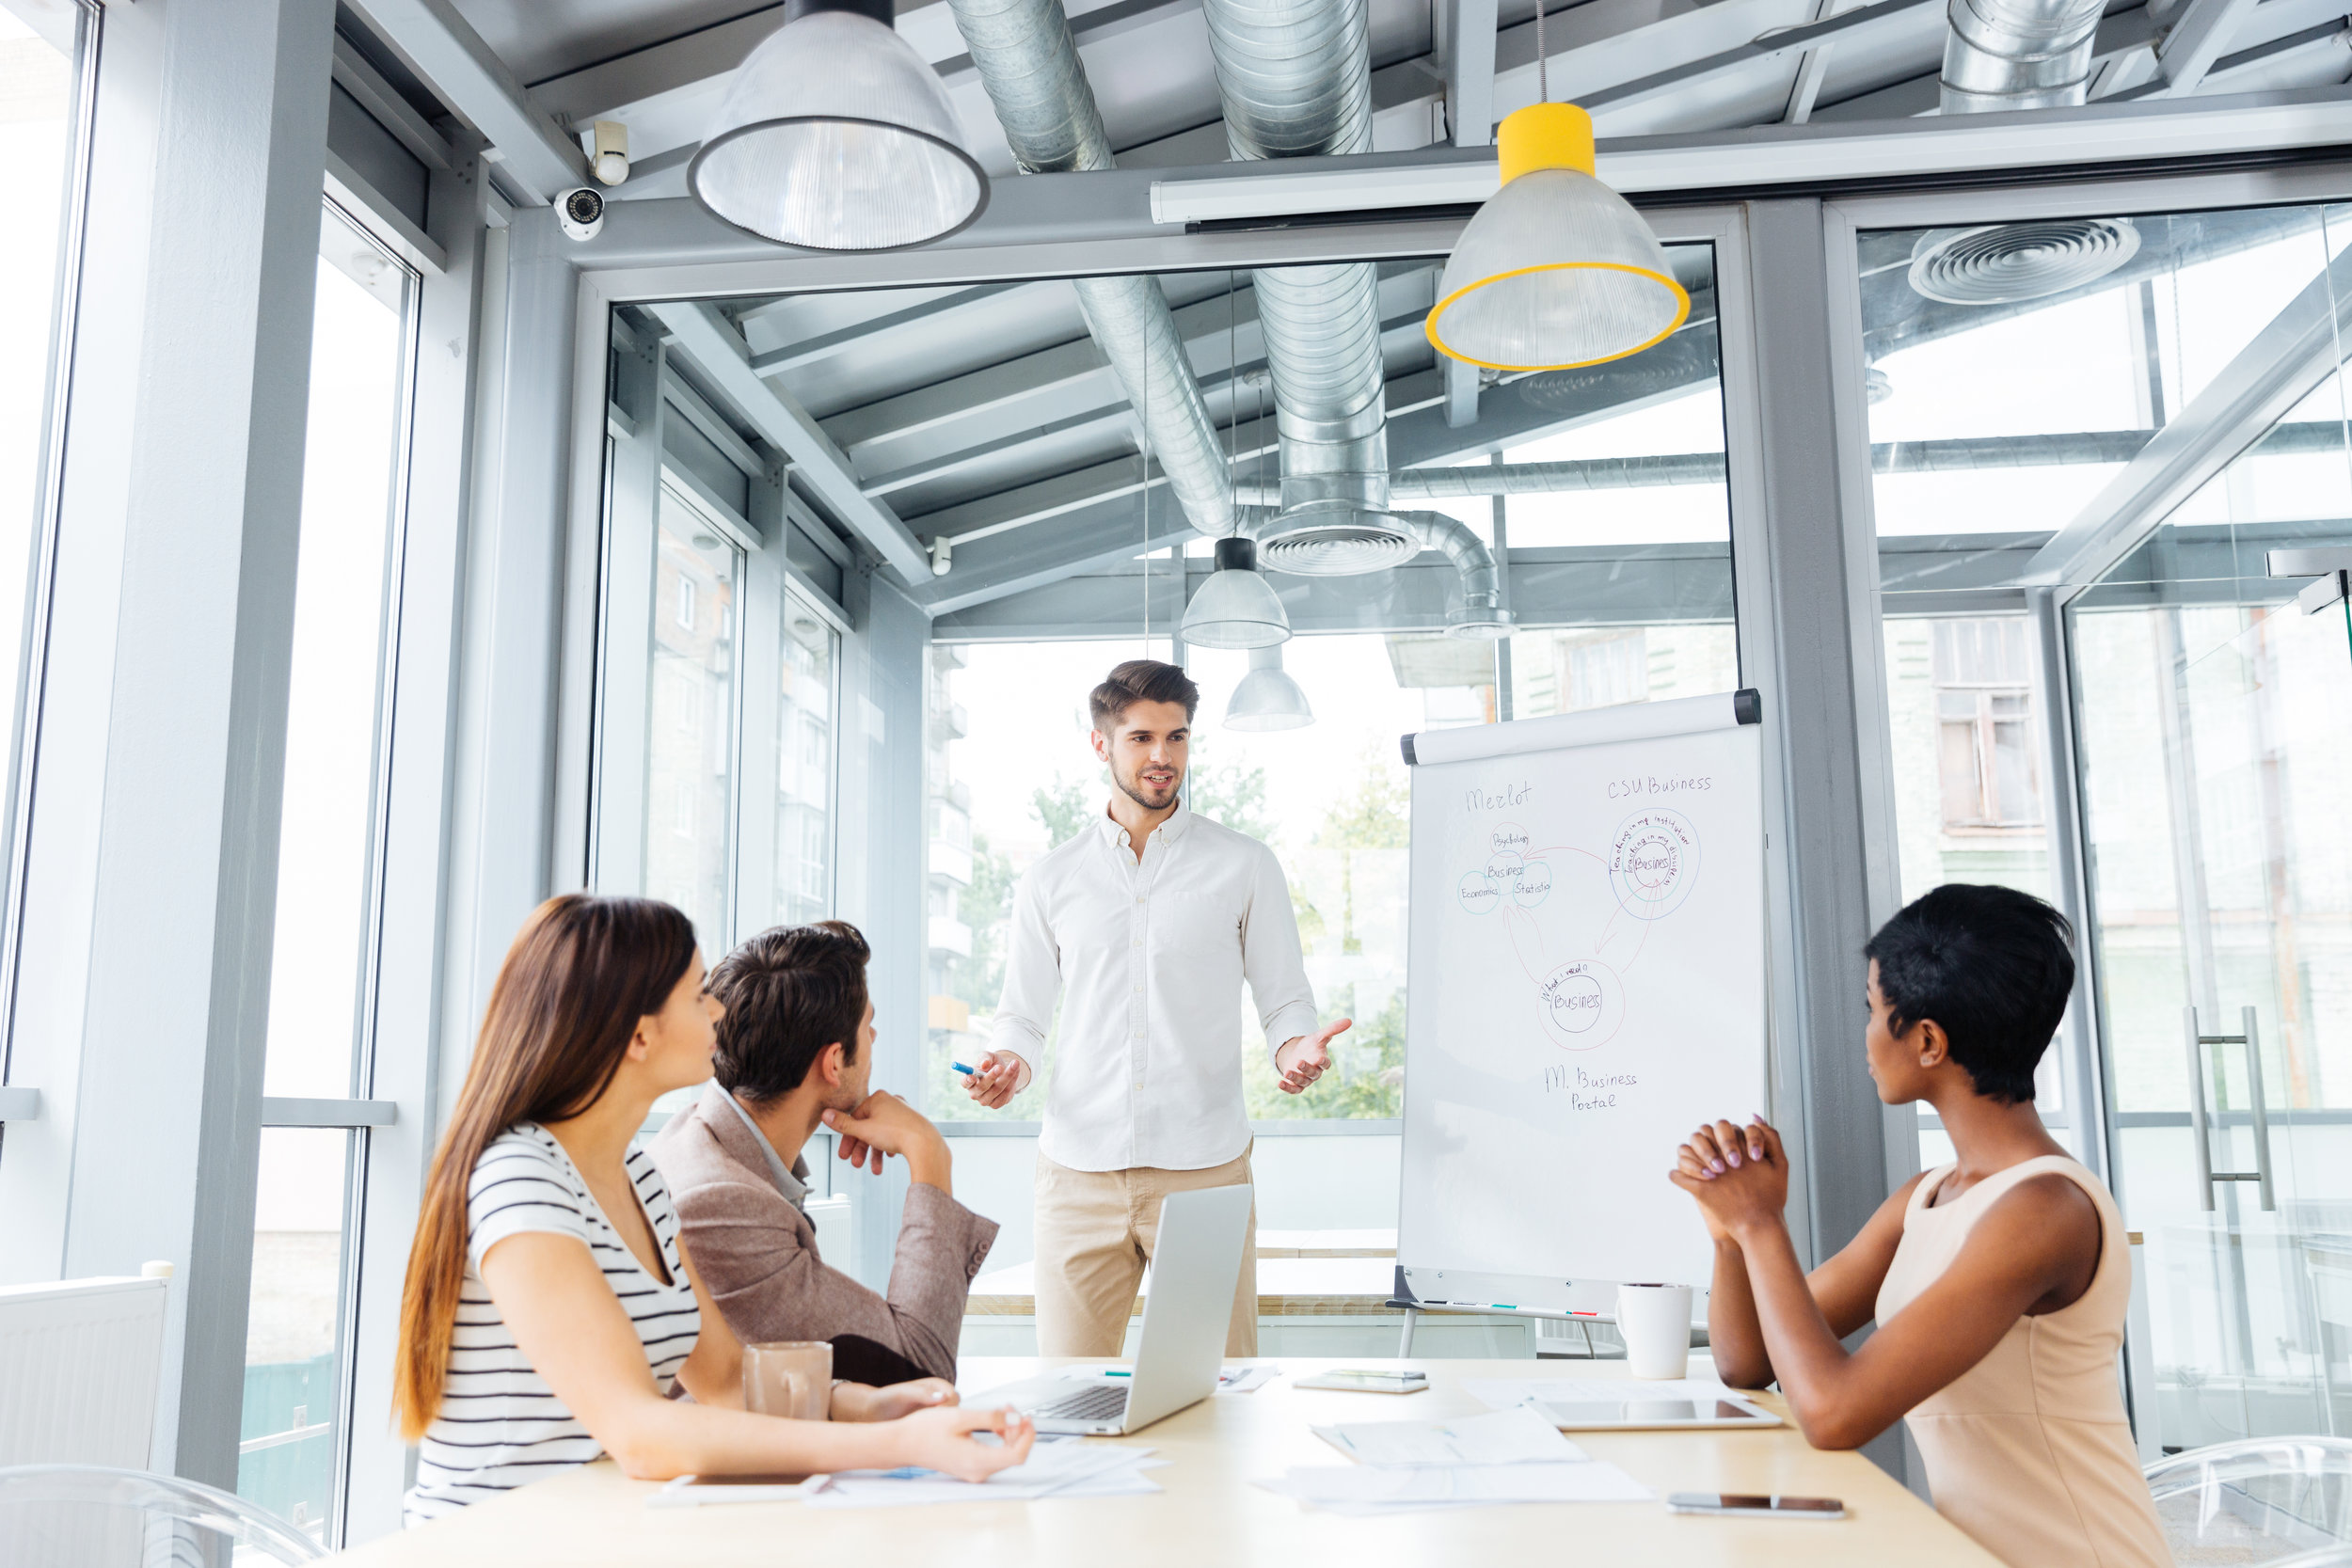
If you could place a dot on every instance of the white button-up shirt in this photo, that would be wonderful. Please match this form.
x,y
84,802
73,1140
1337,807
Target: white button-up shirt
x,y
1152,956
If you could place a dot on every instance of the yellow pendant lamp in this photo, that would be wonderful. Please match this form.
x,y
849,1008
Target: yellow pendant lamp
x,y
1556,270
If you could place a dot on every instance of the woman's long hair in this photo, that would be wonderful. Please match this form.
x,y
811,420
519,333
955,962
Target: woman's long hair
x,y
582,971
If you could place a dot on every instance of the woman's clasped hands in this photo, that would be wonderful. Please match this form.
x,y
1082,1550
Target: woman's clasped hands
x,y
1739,1175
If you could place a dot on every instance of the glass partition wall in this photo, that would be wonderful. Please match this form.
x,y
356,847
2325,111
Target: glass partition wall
x,y
992,426
2089,438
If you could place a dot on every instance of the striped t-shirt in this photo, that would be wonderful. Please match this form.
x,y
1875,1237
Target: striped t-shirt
x,y
499,1426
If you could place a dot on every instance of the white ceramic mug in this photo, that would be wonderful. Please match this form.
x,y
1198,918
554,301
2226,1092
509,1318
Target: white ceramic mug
x,y
1655,1322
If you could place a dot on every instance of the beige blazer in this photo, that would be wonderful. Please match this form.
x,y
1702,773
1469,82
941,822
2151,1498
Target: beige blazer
x,y
757,1252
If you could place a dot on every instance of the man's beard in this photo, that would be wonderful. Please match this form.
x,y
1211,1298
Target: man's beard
x,y
1132,787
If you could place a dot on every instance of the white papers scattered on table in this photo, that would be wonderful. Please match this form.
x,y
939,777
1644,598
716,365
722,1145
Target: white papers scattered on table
x,y
1511,1456
1362,1489
1056,1467
1245,1380
1509,1393
1506,1437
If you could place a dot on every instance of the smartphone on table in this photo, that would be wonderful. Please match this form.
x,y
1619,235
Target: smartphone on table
x,y
1756,1505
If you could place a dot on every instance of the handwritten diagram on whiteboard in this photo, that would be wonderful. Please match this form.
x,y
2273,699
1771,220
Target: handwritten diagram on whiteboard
x,y
1587,984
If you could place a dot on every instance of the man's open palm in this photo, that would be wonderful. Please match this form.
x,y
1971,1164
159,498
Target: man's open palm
x,y
1302,1060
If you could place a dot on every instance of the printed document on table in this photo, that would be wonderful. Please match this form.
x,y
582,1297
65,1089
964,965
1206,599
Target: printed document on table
x,y
1509,1393
1364,1489
1506,1437
1065,1469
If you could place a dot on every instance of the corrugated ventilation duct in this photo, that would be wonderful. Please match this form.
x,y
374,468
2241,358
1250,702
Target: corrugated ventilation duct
x,y
1481,613
1029,66
2018,53
1295,78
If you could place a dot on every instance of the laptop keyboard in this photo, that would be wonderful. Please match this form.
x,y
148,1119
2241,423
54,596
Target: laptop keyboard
x,y
1104,1402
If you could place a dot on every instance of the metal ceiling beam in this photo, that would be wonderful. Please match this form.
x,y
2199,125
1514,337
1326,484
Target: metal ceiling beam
x,y
1464,38
1053,385
450,55
716,350
389,106
2195,41
1854,26
691,66
2290,356
1769,155
1024,505
1102,534
827,345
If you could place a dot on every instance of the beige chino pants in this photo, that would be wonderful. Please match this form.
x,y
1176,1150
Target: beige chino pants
x,y
1095,1233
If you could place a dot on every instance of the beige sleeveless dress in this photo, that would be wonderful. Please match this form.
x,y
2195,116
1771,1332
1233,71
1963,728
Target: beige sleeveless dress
x,y
2029,1450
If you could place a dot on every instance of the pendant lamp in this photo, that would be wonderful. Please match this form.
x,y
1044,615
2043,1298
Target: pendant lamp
x,y
1235,608
837,136
1556,270
1267,699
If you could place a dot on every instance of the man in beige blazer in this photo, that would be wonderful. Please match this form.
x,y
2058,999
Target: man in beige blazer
x,y
795,1052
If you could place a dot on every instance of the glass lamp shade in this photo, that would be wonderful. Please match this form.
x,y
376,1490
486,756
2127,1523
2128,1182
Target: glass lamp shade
x,y
837,136
1556,270
1235,608
1267,699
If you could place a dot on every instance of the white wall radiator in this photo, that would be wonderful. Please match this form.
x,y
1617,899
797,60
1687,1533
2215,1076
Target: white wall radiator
x,y
79,1361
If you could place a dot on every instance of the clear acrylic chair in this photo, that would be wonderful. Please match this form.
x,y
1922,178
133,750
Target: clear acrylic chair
x,y
2282,1502
95,1517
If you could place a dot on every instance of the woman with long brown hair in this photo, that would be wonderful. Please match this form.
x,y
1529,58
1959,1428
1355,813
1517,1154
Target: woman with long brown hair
x,y
550,1313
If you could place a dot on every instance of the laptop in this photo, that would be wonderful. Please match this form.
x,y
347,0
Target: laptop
x,y
1195,1270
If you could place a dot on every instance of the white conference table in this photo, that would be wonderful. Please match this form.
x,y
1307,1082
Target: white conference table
x,y
1210,1515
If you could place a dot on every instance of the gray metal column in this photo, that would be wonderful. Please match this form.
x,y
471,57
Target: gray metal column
x,y
1818,575
880,884
181,909
505,856
1825,690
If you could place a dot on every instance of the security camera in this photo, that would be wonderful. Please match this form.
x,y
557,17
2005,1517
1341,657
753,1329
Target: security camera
x,y
610,157
580,211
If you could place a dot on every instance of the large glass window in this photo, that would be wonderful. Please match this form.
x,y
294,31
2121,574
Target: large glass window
x,y
691,720
2038,389
1585,513
328,845
805,702
41,95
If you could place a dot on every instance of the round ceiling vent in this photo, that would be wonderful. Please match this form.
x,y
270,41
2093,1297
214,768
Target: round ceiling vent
x,y
1684,360
2004,263
1333,541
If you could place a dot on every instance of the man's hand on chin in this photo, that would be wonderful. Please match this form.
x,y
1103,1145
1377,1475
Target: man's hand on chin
x,y
885,1124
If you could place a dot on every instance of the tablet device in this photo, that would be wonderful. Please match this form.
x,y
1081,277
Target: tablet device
x,y
1365,1380
1635,1413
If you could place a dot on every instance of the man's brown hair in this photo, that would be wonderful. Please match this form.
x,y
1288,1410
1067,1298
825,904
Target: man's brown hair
x,y
789,992
1142,680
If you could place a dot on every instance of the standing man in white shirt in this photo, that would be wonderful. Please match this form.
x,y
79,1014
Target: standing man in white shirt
x,y
1151,918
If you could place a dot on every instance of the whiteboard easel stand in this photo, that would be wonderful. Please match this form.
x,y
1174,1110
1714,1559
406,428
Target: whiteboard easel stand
x,y
1413,1309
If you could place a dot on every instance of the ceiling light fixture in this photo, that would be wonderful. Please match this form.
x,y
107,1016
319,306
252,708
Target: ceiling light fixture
x,y
1235,608
1267,699
837,136
1555,270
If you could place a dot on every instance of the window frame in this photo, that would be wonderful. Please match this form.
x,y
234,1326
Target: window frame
x,y
25,702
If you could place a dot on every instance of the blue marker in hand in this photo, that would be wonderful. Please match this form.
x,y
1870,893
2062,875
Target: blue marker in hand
x,y
961,1068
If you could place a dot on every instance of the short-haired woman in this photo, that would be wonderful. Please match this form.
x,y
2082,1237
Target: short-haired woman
x,y
1998,1282
549,1312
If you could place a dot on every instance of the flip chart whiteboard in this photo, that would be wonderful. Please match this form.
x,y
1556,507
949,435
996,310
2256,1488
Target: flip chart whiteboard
x,y
1586,984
